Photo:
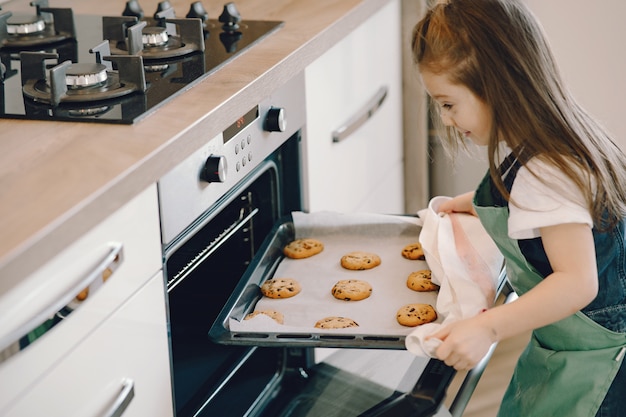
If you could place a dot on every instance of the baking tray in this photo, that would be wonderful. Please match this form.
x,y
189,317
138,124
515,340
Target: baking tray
x,y
378,327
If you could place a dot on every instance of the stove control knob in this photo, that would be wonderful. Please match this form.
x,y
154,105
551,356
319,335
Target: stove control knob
x,y
164,6
275,120
133,9
198,11
230,17
214,169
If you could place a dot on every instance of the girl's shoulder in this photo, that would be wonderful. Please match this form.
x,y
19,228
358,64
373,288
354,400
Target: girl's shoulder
x,y
542,195
541,175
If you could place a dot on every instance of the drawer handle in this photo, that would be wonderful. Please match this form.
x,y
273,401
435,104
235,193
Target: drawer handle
x,y
125,396
26,317
363,115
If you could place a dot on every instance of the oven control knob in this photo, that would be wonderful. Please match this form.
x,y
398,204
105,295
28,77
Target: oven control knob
x,y
275,120
214,169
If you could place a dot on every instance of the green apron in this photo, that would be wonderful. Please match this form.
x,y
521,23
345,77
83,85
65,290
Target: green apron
x,y
568,367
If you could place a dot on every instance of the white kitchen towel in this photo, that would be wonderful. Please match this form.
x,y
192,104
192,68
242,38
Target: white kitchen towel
x,y
465,263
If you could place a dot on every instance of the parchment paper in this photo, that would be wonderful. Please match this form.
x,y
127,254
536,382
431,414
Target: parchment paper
x,y
384,235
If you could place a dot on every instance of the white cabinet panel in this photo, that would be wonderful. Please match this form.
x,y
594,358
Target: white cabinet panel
x,y
386,197
134,228
342,175
130,347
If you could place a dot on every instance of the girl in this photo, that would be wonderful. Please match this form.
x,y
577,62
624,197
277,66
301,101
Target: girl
x,y
554,201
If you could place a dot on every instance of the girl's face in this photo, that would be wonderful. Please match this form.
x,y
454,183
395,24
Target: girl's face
x,y
459,107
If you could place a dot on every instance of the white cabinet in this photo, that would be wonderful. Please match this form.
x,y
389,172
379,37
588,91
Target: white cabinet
x,y
363,170
115,260
123,367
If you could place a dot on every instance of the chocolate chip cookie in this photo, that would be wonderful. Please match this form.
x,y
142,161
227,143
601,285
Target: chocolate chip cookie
x,y
412,315
335,323
276,315
351,290
358,261
421,281
413,251
280,288
303,248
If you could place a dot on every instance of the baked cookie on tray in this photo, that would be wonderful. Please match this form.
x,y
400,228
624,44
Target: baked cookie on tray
x,y
414,252
412,315
351,290
420,281
335,323
303,248
280,288
276,315
358,261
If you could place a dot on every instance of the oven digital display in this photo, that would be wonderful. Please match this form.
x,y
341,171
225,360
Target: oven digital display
x,y
240,124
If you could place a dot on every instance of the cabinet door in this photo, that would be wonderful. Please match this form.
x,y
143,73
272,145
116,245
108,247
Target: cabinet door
x,y
114,260
123,365
345,85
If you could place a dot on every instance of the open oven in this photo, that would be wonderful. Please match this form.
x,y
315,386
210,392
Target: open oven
x,y
220,209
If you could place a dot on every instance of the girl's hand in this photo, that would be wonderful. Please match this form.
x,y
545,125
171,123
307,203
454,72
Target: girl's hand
x,y
465,343
459,204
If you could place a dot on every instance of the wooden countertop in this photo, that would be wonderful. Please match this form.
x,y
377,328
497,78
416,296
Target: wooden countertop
x,y
59,179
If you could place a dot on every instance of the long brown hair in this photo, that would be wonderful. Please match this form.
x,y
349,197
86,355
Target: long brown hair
x,y
497,49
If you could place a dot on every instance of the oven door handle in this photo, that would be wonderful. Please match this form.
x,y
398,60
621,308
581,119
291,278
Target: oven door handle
x,y
360,117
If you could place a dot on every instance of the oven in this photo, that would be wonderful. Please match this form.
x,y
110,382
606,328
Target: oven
x,y
217,206
220,210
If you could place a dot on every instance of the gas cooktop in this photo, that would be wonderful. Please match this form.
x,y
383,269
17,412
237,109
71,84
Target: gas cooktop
x,y
112,69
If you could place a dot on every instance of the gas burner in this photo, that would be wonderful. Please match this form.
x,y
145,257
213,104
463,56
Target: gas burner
x,y
69,82
46,26
179,38
86,75
25,25
131,105
162,37
154,36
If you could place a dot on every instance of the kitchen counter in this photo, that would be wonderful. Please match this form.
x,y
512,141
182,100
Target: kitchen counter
x,y
59,179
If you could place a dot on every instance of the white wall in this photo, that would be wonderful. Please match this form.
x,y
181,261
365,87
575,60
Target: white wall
x,y
589,41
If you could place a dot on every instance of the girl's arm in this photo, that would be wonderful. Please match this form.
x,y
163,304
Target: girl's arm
x,y
572,286
459,204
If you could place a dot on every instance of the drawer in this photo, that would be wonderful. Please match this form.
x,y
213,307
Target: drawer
x,y
40,299
125,360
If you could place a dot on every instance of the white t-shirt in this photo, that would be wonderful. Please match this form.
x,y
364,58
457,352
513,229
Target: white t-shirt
x,y
535,203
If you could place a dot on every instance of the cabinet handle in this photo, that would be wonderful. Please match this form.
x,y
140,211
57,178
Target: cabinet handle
x,y
361,116
25,315
125,396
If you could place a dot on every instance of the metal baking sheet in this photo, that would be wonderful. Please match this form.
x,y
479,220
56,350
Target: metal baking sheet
x,y
341,233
